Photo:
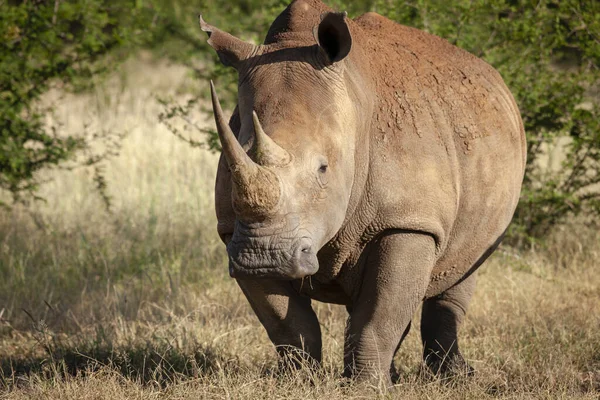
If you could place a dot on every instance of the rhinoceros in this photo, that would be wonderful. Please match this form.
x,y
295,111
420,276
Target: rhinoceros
x,y
367,164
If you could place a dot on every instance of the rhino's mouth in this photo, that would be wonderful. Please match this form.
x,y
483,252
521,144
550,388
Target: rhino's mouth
x,y
286,262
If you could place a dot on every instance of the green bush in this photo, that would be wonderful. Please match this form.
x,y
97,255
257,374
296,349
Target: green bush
x,y
548,53
46,44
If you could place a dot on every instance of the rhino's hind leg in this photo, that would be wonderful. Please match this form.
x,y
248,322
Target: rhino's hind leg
x,y
440,322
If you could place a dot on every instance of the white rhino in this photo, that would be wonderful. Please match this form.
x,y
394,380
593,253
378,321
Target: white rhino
x,y
367,164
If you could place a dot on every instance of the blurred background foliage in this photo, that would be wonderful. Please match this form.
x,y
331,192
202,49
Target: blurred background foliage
x,y
548,52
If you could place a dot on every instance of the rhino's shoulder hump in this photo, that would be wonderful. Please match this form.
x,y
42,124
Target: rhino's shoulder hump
x,y
399,47
374,21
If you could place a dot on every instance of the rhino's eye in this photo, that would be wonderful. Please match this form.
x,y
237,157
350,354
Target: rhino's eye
x,y
321,175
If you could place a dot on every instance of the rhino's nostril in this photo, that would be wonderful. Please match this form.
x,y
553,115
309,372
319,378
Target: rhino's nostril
x,y
304,247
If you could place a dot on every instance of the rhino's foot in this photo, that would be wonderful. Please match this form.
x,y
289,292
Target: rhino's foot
x,y
448,366
298,369
295,363
292,359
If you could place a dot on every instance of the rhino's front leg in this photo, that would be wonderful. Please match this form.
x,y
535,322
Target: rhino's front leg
x,y
288,318
395,278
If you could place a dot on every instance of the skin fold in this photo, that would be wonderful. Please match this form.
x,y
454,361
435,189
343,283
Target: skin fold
x,y
367,164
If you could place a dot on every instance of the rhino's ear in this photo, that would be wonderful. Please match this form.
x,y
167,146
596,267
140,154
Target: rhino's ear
x,y
333,36
231,50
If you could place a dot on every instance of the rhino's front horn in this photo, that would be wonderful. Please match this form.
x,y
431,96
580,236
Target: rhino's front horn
x,y
237,159
264,150
256,189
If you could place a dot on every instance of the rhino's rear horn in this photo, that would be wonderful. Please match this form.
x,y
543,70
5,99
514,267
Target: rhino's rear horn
x,y
231,50
264,150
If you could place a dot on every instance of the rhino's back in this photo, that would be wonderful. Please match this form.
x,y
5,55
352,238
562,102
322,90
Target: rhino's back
x,y
447,146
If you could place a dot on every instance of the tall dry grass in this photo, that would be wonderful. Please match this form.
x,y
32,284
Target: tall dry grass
x,y
136,303
81,260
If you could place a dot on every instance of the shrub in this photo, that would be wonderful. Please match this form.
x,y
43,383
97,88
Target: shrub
x,y
46,44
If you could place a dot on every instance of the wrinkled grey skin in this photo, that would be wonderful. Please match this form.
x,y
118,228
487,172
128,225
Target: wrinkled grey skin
x,y
379,166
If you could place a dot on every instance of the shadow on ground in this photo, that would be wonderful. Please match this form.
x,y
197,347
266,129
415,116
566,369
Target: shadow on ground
x,y
147,363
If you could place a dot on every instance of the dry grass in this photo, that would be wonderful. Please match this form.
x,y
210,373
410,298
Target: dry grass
x,y
137,304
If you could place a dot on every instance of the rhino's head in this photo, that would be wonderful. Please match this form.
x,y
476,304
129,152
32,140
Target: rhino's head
x,y
292,165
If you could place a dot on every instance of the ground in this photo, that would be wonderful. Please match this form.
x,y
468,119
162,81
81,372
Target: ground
x,y
137,303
